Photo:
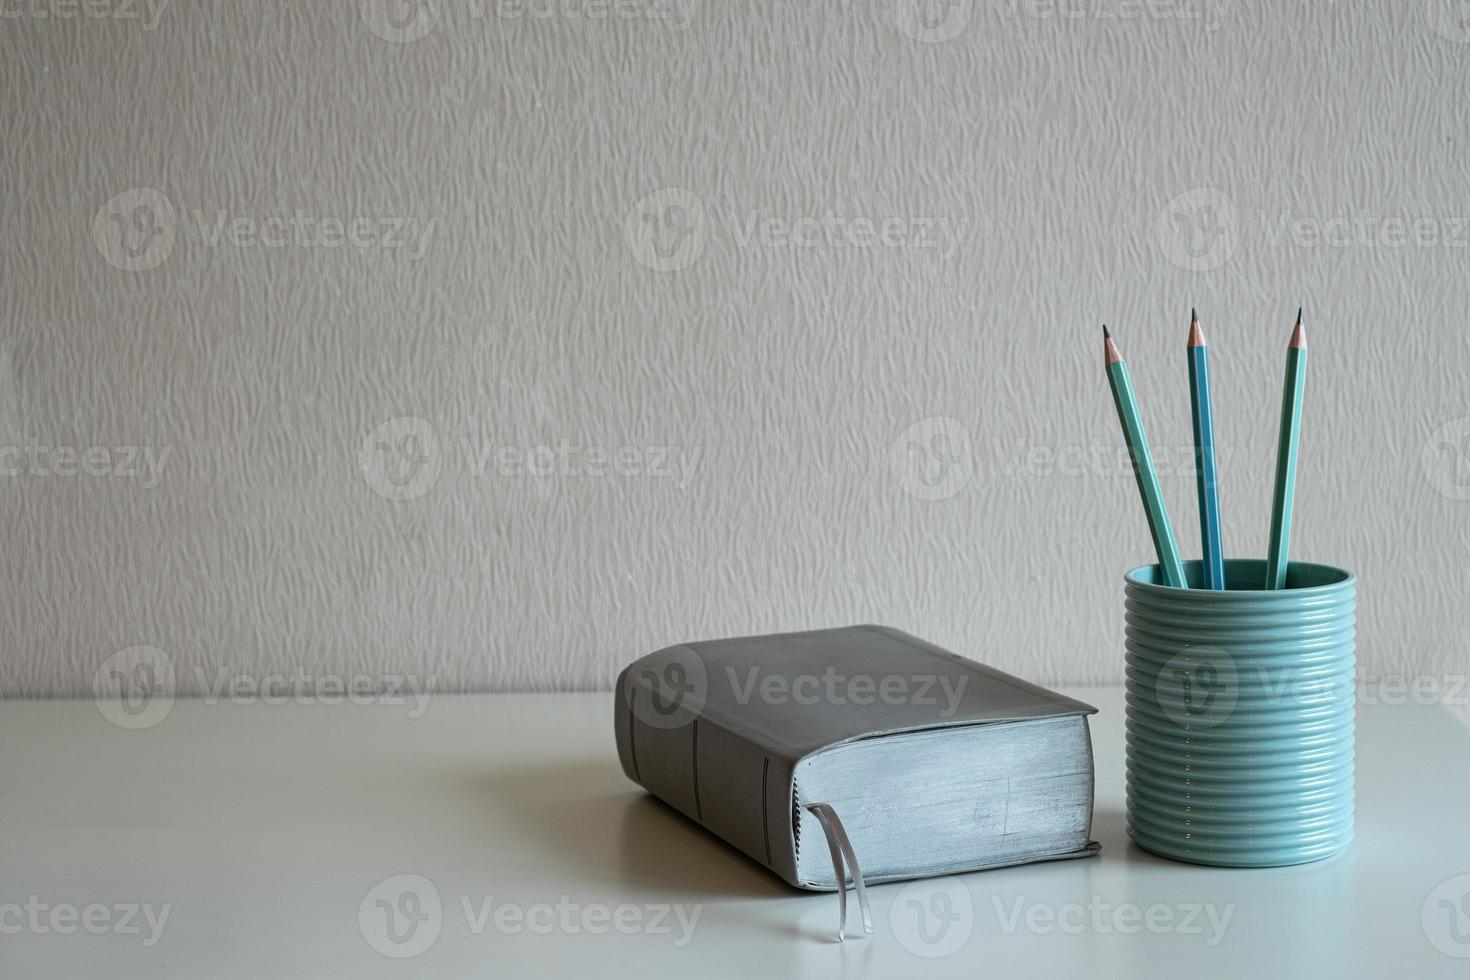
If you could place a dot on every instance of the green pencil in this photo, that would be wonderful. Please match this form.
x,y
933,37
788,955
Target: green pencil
x,y
1143,465
1212,557
1286,450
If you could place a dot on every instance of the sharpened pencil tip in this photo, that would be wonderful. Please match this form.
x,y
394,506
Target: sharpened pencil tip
x,y
1299,314
1193,316
1196,335
1298,335
1106,335
1111,354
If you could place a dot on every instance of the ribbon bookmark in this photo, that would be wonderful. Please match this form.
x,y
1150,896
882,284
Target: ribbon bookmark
x,y
841,848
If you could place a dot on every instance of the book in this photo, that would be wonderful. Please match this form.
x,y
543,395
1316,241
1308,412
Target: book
x,y
858,754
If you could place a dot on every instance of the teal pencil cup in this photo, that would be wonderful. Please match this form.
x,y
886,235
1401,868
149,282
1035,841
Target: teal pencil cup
x,y
1240,711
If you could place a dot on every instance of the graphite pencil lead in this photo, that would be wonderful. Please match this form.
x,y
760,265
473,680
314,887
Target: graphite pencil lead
x,y
1106,335
1298,333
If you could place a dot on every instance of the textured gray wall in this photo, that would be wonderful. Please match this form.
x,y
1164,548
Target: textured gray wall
x,y
727,262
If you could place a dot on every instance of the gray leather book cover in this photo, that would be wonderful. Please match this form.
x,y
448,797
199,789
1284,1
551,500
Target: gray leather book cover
x,y
715,729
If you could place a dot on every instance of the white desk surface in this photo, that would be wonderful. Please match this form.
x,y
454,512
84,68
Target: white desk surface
x,y
266,833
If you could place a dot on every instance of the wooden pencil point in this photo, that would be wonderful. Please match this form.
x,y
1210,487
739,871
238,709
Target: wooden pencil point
x,y
1196,335
1298,335
1111,354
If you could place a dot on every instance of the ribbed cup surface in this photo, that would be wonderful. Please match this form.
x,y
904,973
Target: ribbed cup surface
x,y
1240,715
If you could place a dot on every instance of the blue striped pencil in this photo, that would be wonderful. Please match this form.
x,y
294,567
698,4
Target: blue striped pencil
x,y
1286,451
1204,456
1143,465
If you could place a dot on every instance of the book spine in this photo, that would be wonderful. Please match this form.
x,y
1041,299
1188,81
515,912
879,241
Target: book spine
x,y
718,778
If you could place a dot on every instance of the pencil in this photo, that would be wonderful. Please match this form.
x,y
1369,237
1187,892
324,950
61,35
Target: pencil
x,y
1286,450
1143,464
1204,456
